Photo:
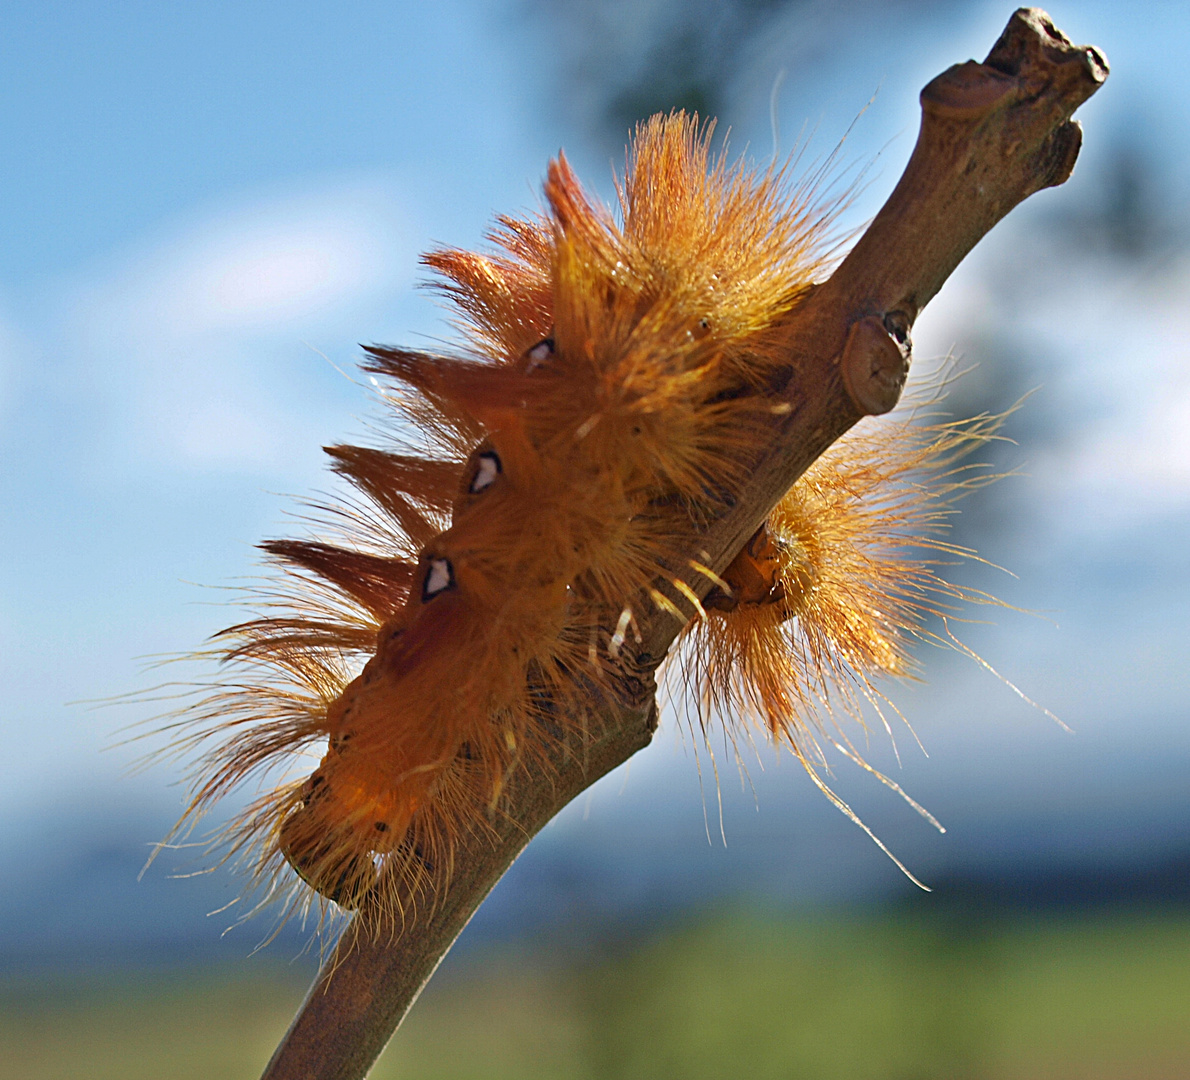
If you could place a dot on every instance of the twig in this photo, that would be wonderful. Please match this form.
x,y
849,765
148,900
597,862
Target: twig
x,y
991,135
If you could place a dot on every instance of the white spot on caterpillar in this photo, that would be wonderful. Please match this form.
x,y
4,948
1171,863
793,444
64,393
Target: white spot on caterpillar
x,y
540,353
441,576
485,475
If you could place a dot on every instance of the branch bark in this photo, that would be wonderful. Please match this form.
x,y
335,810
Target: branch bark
x,y
991,135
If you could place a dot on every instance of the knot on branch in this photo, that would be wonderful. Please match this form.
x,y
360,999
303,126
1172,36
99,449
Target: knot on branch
x,y
875,362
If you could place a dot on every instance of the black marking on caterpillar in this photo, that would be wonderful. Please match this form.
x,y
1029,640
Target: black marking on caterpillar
x,y
540,353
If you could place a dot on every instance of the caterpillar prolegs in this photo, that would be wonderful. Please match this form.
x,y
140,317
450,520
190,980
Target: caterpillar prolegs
x,y
605,401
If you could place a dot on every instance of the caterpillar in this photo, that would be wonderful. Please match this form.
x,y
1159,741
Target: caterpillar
x,y
538,487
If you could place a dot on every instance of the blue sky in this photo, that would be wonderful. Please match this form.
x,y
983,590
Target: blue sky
x,y
206,207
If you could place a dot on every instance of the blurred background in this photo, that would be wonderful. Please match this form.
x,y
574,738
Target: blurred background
x,y
206,207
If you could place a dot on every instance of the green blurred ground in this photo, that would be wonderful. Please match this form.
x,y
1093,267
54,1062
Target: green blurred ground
x,y
894,998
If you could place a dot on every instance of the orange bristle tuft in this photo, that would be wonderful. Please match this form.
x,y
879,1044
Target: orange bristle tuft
x,y
831,594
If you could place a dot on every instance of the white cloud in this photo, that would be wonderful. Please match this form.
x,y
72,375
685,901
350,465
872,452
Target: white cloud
x,y
1116,375
193,344
1142,455
296,260
1126,373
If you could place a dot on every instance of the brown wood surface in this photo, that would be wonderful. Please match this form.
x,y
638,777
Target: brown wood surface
x,y
991,135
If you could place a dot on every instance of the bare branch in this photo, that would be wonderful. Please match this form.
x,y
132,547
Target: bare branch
x,y
991,135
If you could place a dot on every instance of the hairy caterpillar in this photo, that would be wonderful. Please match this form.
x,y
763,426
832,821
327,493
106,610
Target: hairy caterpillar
x,y
603,406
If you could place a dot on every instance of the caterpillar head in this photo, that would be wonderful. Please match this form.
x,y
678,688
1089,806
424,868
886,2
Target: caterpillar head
x,y
321,839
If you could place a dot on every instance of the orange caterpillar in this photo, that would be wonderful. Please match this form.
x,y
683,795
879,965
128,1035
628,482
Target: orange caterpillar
x,y
606,398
